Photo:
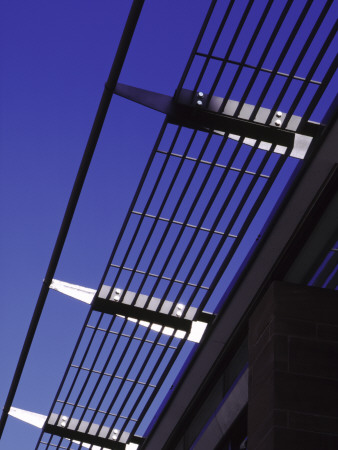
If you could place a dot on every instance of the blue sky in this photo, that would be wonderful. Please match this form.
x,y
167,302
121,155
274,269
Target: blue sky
x,y
55,59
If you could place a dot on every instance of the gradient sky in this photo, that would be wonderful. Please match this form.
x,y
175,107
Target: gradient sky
x,y
55,59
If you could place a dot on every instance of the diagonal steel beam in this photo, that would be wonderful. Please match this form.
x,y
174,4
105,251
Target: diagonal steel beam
x,y
194,111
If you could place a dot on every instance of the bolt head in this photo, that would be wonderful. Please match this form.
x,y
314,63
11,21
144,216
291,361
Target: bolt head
x,y
200,95
278,123
115,433
199,102
63,421
279,113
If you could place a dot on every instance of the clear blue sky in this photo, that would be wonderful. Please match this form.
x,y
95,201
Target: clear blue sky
x,y
55,59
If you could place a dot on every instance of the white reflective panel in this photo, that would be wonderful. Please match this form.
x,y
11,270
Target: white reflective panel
x,y
195,335
81,293
197,331
37,420
93,447
249,141
301,145
131,446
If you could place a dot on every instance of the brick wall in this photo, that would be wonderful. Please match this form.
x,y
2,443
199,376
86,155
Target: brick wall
x,y
293,370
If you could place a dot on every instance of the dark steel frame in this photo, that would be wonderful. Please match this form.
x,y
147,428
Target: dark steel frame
x,y
210,114
184,111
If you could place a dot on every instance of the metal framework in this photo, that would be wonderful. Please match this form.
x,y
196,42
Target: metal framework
x,y
235,135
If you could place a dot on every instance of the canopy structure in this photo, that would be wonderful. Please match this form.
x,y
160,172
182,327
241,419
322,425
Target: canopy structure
x,y
242,170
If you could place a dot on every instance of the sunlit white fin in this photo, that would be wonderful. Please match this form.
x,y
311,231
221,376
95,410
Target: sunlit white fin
x,y
35,419
248,141
81,293
95,447
131,446
197,331
92,446
301,146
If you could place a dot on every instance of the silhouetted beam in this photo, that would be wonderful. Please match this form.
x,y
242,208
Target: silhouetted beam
x,y
94,434
188,113
156,312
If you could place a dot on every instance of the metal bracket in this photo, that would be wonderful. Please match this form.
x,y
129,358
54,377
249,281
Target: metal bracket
x,y
204,115
57,425
150,313
82,431
180,322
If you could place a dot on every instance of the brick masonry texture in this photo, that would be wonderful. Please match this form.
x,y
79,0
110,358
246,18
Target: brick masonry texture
x,y
293,369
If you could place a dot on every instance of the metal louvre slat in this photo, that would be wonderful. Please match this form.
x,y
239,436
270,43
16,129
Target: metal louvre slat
x,y
300,57
280,58
246,54
174,245
214,42
267,155
303,12
244,183
119,415
197,43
